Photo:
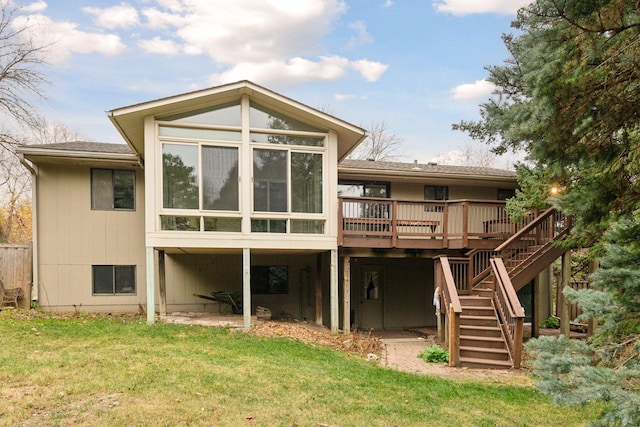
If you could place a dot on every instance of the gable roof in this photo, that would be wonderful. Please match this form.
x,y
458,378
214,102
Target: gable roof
x,y
415,170
130,120
79,152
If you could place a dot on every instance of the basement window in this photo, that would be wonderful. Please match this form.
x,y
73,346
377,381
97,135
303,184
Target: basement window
x,y
114,279
269,279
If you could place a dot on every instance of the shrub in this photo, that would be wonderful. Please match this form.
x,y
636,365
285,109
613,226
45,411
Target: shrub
x,y
550,322
435,354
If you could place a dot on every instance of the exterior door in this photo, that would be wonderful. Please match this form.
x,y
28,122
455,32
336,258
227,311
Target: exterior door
x,y
371,297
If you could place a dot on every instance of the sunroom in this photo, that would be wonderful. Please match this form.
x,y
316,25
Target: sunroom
x,y
237,168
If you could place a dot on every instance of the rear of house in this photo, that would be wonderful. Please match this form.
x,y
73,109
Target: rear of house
x,y
242,192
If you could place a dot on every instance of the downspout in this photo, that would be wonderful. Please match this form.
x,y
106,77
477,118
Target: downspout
x,y
34,227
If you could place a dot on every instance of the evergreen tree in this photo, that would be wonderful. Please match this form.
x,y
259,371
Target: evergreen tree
x,y
568,95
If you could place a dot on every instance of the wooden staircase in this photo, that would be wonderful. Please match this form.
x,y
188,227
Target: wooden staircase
x,y
482,344
485,318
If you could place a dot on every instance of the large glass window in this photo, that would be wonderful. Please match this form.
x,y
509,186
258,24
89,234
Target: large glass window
x,y
180,176
114,279
265,118
113,189
220,178
219,115
306,182
270,180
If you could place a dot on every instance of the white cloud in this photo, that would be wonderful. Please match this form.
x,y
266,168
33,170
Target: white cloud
x,y
387,3
477,90
64,38
346,97
295,70
121,16
466,7
35,7
370,70
246,30
160,46
362,37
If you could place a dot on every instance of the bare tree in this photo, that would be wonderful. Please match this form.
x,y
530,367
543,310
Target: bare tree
x,y
20,79
381,144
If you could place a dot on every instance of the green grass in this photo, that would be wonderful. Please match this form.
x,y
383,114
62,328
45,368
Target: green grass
x,y
110,371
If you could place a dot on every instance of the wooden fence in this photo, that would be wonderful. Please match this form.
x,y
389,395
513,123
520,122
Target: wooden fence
x,y
15,270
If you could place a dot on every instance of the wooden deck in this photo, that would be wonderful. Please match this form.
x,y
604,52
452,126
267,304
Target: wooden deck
x,y
456,224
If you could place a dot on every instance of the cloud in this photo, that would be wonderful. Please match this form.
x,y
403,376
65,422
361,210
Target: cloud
x,y
36,7
246,30
467,7
362,37
477,90
64,38
370,70
346,96
160,46
387,3
121,16
266,41
298,70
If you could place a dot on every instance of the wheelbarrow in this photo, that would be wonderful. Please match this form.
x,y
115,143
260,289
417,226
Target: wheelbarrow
x,y
229,298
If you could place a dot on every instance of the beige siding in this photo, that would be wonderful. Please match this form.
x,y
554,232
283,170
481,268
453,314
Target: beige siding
x,y
415,191
72,238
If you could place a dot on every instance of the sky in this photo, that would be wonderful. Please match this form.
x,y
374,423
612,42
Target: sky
x,y
416,65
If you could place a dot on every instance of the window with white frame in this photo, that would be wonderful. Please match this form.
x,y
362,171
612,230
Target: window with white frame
x,y
201,171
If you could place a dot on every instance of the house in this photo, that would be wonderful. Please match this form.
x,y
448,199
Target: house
x,y
247,194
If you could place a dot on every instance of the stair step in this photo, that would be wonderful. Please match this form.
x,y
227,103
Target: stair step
x,y
478,320
475,301
478,311
474,362
487,350
487,292
482,341
481,331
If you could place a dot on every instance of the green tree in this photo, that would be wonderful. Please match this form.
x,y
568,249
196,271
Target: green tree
x,y
568,96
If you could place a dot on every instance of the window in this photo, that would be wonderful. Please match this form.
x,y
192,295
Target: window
x,y
182,178
114,279
270,181
113,189
436,192
269,280
364,189
506,193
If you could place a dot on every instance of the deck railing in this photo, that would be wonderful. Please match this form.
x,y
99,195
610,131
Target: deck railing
x,y
376,222
509,311
450,306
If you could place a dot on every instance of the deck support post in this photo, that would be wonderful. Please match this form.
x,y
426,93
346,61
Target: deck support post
x,y
318,286
162,284
246,288
565,306
151,285
333,291
454,337
346,295
541,300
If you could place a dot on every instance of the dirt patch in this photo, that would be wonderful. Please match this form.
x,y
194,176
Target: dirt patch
x,y
364,344
398,354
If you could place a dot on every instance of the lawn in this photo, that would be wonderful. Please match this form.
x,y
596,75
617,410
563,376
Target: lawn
x,y
120,371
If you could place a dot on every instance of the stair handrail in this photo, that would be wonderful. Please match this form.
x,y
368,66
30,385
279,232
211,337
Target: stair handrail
x,y
452,309
509,310
526,229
